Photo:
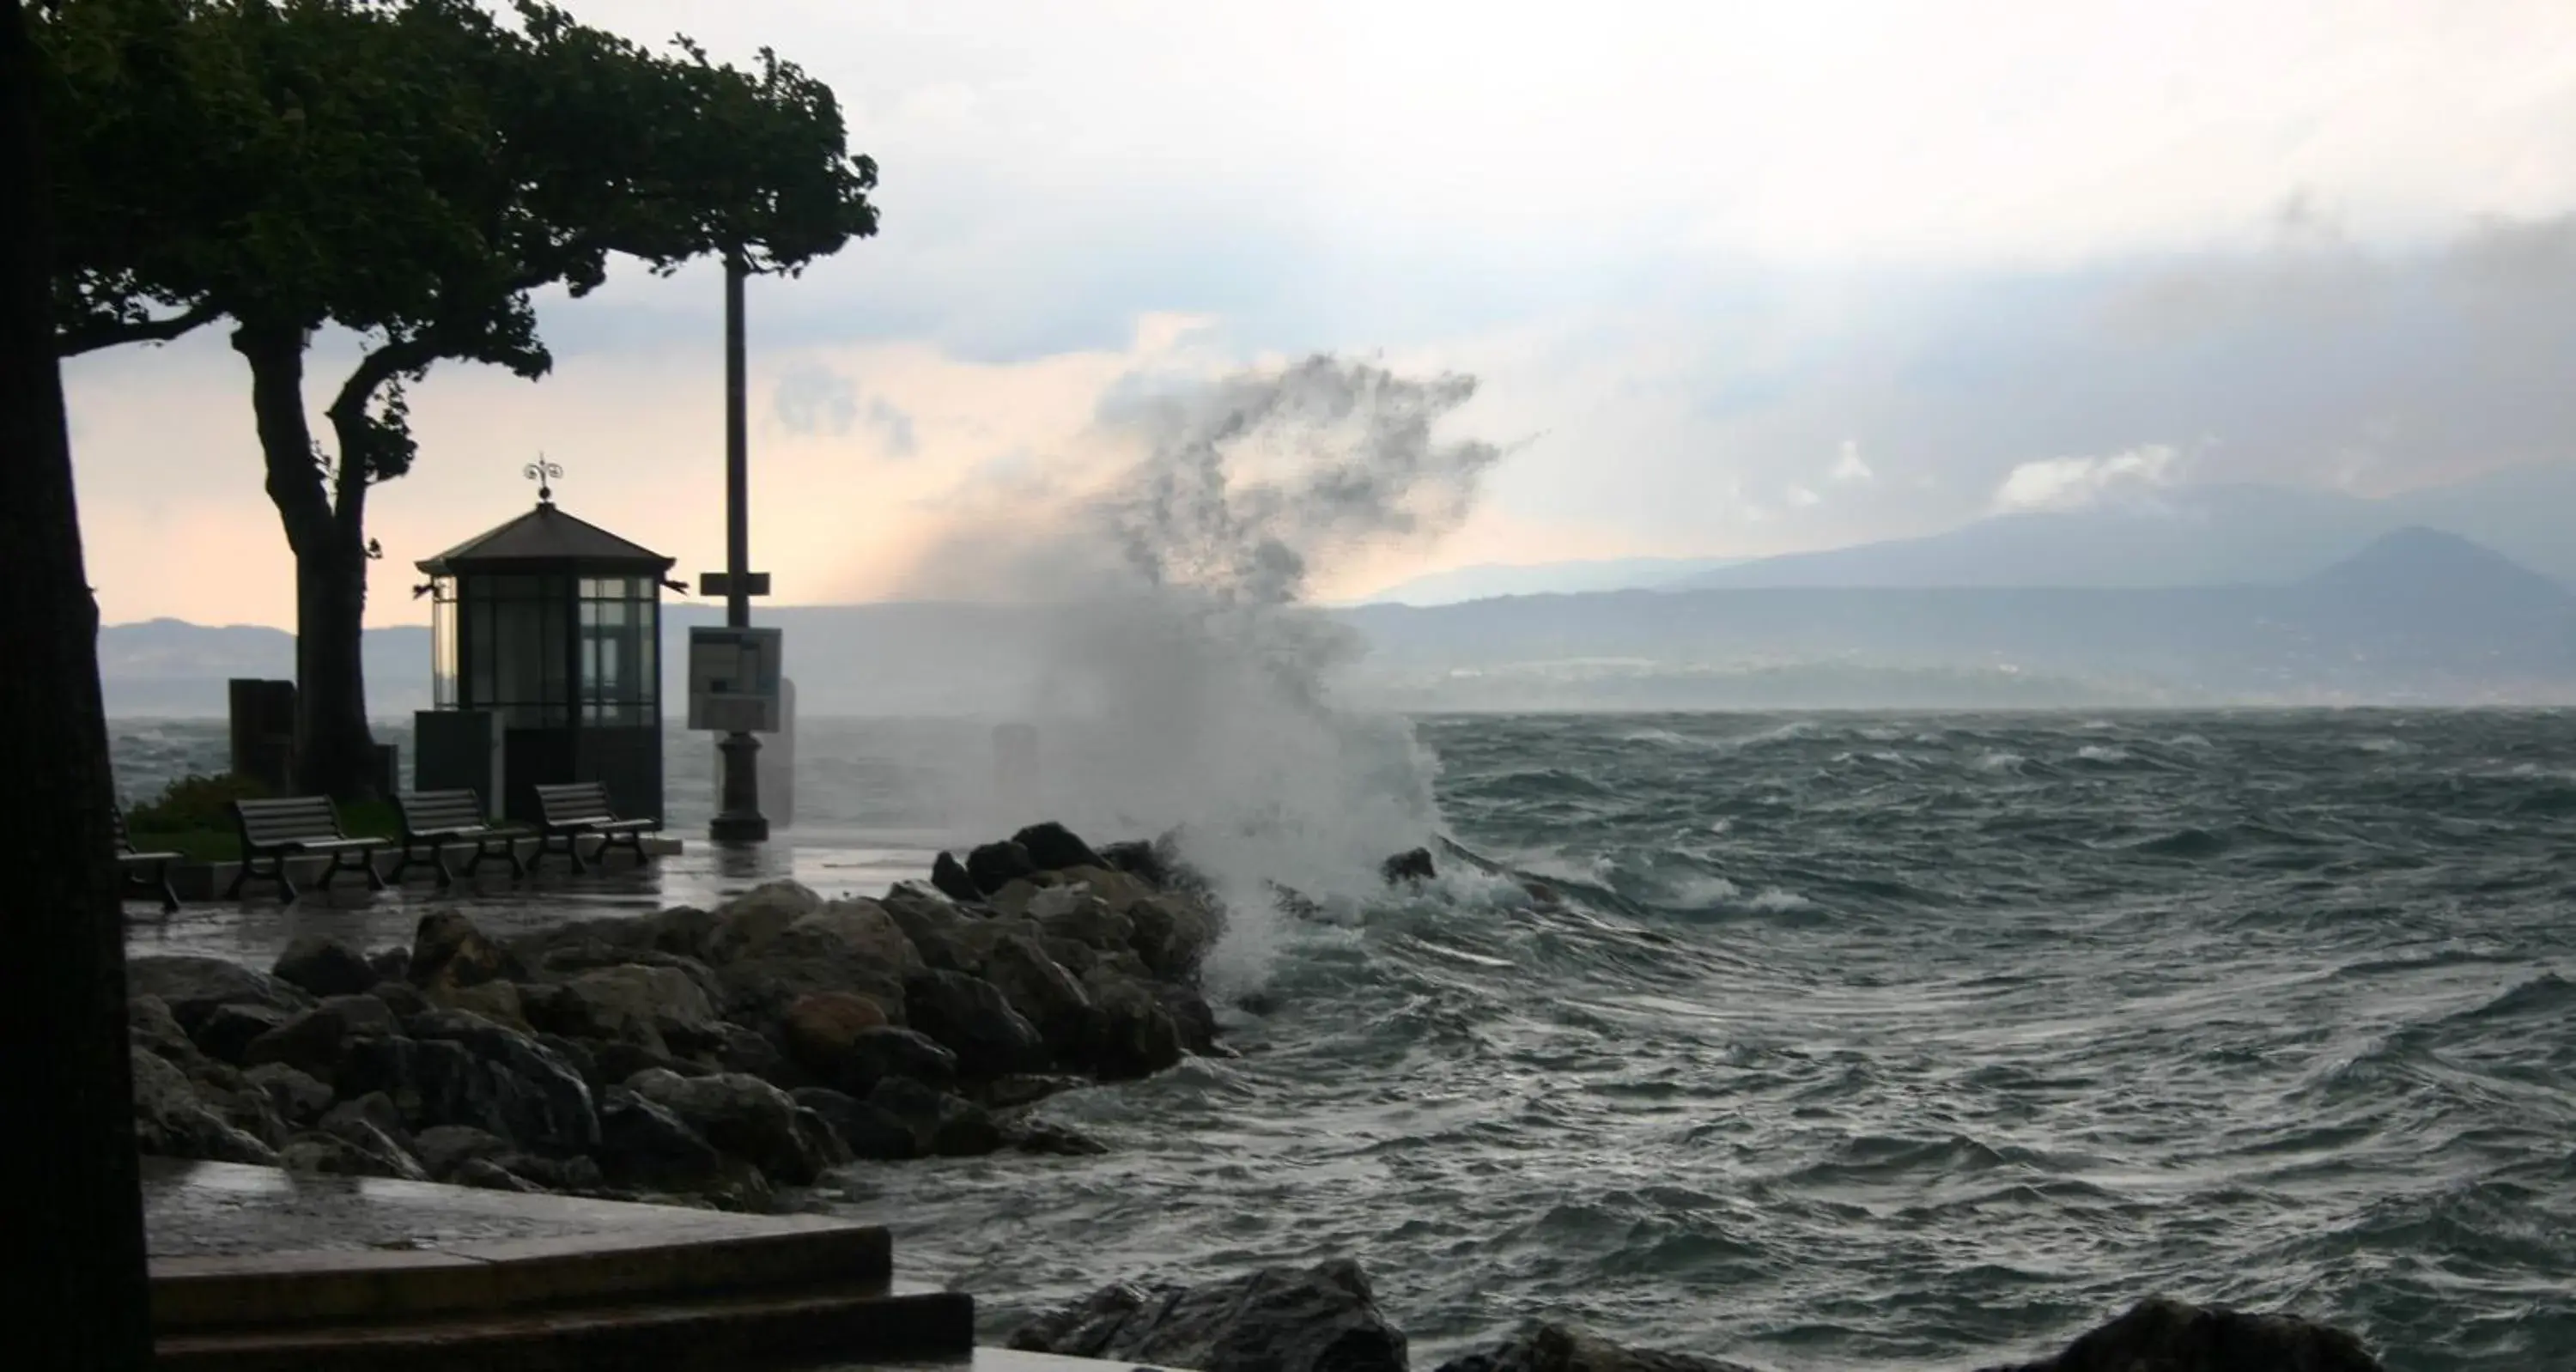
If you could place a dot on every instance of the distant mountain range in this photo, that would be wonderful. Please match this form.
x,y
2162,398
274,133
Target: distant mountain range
x,y
2415,616
2218,535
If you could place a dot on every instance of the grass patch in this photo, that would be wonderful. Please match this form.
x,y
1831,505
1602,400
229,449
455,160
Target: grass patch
x,y
199,842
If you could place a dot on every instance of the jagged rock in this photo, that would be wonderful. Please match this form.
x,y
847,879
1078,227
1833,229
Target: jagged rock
x,y
746,924
461,1069
403,998
1043,993
444,1148
1540,1347
1073,912
613,1063
819,1028
298,1097
1024,1134
877,1054
491,1176
192,987
1413,865
1053,848
377,1111
1074,956
579,1059
2166,1335
171,1121
390,964
750,1053
646,1144
1192,1016
750,1119
996,865
936,929
869,1130
448,950
323,966
354,1149
1173,933
155,1030
497,1001
250,1110
681,930
867,931
949,877
1027,1088
370,1127
1133,1035
577,1173
317,1040
1113,888
970,1017
941,1124
657,1008
228,1031
1138,860
1321,1319
1012,901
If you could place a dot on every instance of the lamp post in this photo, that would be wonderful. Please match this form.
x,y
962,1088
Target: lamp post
x,y
738,818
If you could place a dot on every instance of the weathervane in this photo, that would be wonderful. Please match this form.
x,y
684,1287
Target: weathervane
x,y
543,473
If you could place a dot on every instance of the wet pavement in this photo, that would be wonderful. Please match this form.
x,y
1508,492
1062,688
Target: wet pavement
x,y
254,930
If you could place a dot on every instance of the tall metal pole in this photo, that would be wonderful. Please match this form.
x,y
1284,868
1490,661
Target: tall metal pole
x,y
738,819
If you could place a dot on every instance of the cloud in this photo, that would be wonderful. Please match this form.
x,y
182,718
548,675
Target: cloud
x,y
1849,469
813,401
893,426
2074,483
1800,497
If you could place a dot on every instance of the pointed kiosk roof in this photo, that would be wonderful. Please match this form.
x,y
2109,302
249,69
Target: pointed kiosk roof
x,y
546,539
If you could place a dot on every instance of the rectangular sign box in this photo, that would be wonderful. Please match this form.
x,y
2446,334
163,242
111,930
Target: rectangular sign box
x,y
720,583
733,680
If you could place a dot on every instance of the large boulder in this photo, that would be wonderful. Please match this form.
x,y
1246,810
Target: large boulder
x,y
1044,993
497,1001
868,1129
873,1055
1077,912
656,1008
444,1148
936,929
316,1041
323,966
1140,860
1279,1319
866,931
227,1031
460,1069
744,925
298,1097
192,987
1132,1034
1543,1347
2166,1335
447,950
1053,848
970,1017
819,1029
1173,934
642,1143
171,1121
996,865
750,1119
949,877
941,1124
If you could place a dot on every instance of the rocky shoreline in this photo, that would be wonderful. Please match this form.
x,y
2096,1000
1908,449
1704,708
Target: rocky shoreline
x,y
712,1057
699,1056
1325,1319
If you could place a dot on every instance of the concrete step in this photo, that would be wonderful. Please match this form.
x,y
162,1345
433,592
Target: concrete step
x,y
862,1325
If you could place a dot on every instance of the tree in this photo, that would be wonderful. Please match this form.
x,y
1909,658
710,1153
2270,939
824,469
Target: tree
x,y
73,1230
412,170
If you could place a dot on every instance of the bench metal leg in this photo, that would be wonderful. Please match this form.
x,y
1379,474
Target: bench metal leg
x,y
241,874
572,845
376,879
161,882
438,859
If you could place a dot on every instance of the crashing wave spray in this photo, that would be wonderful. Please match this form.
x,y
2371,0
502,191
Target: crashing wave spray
x,y
1187,684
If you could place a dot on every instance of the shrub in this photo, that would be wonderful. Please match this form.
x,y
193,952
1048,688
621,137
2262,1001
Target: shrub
x,y
194,803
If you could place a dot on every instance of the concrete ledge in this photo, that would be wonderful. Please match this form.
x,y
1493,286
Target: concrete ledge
x,y
748,1331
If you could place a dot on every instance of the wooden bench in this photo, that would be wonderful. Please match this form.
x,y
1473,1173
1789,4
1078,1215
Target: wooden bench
x,y
275,831
576,810
147,872
437,820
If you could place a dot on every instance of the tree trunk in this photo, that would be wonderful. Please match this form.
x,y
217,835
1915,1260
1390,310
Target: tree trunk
x,y
335,752
71,1223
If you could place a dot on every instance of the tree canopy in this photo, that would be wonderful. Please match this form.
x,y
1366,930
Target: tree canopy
x,y
413,171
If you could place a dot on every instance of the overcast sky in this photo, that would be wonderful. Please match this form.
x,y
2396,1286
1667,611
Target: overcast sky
x,y
1736,279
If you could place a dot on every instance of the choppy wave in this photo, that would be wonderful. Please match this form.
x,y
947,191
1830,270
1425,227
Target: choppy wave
x,y
1822,1064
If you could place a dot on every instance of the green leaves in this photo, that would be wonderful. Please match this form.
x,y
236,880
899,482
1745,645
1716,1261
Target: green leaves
x,y
413,169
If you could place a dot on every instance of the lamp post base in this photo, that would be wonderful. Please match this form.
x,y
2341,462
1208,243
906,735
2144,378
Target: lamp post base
x,y
740,821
